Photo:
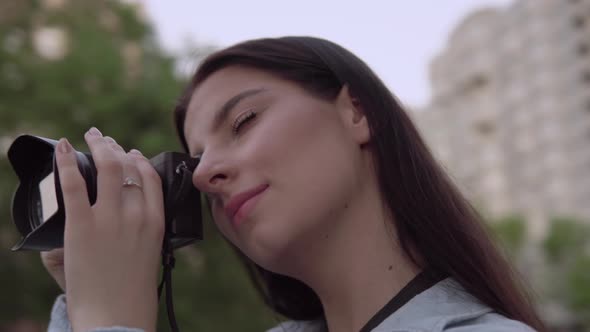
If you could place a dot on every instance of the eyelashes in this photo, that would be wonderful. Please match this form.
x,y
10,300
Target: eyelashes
x,y
237,125
241,120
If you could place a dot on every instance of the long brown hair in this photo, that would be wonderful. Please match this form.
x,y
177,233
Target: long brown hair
x,y
432,219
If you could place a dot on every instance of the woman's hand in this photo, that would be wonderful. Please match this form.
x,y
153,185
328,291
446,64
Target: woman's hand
x,y
54,263
111,249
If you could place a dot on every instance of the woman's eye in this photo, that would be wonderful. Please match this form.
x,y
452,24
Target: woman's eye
x,y
242,120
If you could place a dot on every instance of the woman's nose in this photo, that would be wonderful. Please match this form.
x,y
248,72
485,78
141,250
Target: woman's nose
x,y
211,174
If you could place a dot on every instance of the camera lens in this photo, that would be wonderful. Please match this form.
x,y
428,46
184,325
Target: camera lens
x,y
43,200
38,207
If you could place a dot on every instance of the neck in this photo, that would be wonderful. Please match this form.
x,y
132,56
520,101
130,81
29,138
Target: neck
x,y
357,265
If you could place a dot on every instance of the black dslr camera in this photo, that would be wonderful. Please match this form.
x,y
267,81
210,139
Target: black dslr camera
x,y
38,207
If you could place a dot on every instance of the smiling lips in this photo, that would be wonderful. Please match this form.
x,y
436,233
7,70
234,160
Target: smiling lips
x,y
242,203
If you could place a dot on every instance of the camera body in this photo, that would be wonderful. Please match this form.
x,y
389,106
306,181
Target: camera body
x,y
38,207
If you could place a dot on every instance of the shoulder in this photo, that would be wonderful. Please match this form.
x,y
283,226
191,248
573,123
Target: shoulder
x,y
486,323
448,307
300,326
444,307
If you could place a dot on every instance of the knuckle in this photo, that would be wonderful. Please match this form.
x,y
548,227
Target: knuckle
x,y
129,162
116,147
71,188
69,184
110,140
66,170
110,164
149,172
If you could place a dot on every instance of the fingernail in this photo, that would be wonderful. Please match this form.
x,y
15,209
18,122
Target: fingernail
x,y
137,152
94,132
64,146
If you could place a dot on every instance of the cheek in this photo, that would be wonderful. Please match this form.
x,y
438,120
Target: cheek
x,y
312,167
322,180
295,135
312,153
312,185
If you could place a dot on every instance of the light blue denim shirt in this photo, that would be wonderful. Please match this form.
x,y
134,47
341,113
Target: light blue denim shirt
x,y
446,306
60,323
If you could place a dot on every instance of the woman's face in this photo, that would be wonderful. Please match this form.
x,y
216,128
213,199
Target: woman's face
x,y
279,165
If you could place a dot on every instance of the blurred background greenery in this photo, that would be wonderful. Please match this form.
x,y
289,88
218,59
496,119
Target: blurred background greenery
x,y
64,68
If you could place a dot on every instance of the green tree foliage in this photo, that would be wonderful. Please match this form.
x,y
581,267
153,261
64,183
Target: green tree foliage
x,y
578,287
566,237
565,279
510,232
67,67
567,248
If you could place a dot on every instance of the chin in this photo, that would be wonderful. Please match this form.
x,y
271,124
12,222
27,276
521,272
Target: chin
x,y
269,248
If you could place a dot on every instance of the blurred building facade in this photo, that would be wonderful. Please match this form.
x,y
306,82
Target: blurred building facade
x,y
510,111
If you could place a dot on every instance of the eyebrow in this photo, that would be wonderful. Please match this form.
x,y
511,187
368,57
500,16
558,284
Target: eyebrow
x,y
223,112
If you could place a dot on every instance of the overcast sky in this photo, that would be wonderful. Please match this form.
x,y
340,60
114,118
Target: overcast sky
x,y
396,38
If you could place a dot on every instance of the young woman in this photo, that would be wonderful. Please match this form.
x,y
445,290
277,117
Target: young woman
x,y
318,177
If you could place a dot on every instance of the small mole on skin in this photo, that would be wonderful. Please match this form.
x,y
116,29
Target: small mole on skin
x,y
390,267
346,206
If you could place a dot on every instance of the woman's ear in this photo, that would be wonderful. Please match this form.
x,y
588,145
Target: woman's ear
x,y
353,116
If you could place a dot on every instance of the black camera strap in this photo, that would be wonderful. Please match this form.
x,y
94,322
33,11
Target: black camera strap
x,y
168,262
180,186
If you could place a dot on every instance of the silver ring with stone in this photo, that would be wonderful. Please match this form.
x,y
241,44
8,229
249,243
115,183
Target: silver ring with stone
x,y
129,182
